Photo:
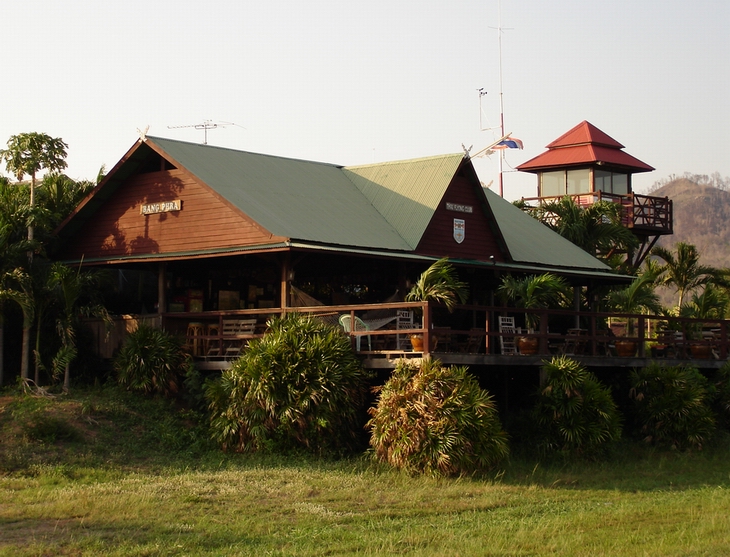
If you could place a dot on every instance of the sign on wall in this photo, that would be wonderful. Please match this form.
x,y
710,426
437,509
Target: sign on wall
x,y
459,230
161,207
459,208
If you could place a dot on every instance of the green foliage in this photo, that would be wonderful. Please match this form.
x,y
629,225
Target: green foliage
x,y
436,420
712,303
575,413
151,361
300,386
535,292
682,270
721,396
637,297
28,153
439,283
672,406
596,228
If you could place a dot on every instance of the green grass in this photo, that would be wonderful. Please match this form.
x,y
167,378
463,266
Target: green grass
x,y
131,476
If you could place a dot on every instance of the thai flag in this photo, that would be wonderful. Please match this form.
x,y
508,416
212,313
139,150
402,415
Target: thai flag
x,y
509,143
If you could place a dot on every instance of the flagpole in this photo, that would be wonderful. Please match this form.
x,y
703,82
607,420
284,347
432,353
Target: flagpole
x,y
501,99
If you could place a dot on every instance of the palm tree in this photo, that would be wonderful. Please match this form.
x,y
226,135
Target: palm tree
x,y
13,245
711,304
535,292
29,153
637,297
439,283
683,271
18,286
595,228
70,287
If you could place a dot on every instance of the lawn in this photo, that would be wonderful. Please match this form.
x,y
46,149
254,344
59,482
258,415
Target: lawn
x,y
105,473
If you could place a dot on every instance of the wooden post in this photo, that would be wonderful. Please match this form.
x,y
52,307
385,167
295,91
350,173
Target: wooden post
x,y
543,346
426,329
640,326
286,272
161,288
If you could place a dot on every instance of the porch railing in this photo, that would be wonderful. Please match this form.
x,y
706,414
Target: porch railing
x,y
473,330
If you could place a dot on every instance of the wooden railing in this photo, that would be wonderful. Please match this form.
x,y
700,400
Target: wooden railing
x,y
585,334
642,212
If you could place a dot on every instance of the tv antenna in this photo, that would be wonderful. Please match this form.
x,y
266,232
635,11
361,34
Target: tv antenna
x,y
205,126
482,93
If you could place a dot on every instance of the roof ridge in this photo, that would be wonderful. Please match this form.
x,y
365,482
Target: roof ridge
x,y
403,161
231,149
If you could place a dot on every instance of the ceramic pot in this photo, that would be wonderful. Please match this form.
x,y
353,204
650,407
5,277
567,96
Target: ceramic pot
x,y
417,342
700,351
528,345
625,348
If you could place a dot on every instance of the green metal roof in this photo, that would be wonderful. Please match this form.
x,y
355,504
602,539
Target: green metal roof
x,y
377,208
529,241
406,193
291,198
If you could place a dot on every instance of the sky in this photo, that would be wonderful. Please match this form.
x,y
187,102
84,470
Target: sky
x,y
360,82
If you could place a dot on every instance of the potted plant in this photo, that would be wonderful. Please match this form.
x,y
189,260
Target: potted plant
x,y
710,305
439,283
534,292
637,297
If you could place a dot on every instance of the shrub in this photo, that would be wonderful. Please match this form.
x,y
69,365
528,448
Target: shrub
x,y
300,386
672,406
575,413
721,396
151,361
436,420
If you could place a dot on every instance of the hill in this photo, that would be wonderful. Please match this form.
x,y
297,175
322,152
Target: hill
x,y
701,216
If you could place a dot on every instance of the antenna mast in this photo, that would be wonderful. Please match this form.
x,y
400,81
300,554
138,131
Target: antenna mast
x,y
205,126
501,100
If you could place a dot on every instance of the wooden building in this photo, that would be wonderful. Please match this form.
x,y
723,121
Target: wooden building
x,y
199,232
588,165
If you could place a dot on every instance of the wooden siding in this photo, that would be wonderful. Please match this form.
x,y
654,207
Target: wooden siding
x,y
204,222
479,241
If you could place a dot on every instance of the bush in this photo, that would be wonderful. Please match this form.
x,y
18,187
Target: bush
x,y
672,406
152,361
721,396
575,413
300,386
436,420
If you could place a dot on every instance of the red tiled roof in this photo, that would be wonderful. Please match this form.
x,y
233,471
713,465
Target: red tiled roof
x,y
585,144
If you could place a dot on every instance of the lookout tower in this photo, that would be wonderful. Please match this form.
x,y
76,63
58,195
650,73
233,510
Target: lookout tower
x,y
588,165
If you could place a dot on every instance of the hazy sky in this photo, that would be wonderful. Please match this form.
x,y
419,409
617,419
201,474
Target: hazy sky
x,y
359,82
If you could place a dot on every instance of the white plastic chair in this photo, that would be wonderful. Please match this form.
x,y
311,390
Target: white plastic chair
x,y
360,325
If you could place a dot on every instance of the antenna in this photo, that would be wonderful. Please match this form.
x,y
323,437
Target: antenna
x,y
501,98
205,126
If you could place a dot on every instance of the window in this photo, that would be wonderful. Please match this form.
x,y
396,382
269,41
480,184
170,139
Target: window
x,y
565,182
611,182
552,184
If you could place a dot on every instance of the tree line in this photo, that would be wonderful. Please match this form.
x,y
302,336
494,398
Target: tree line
x,y
47,293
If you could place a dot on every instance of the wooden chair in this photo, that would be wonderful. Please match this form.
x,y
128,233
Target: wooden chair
x,y
235,336
507,331
575,342
474,342
404,320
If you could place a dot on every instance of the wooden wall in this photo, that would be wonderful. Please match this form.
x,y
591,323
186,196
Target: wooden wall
x,y
205,221
480,240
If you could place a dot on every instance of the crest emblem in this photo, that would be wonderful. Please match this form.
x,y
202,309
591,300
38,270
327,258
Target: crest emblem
x,y
459,230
